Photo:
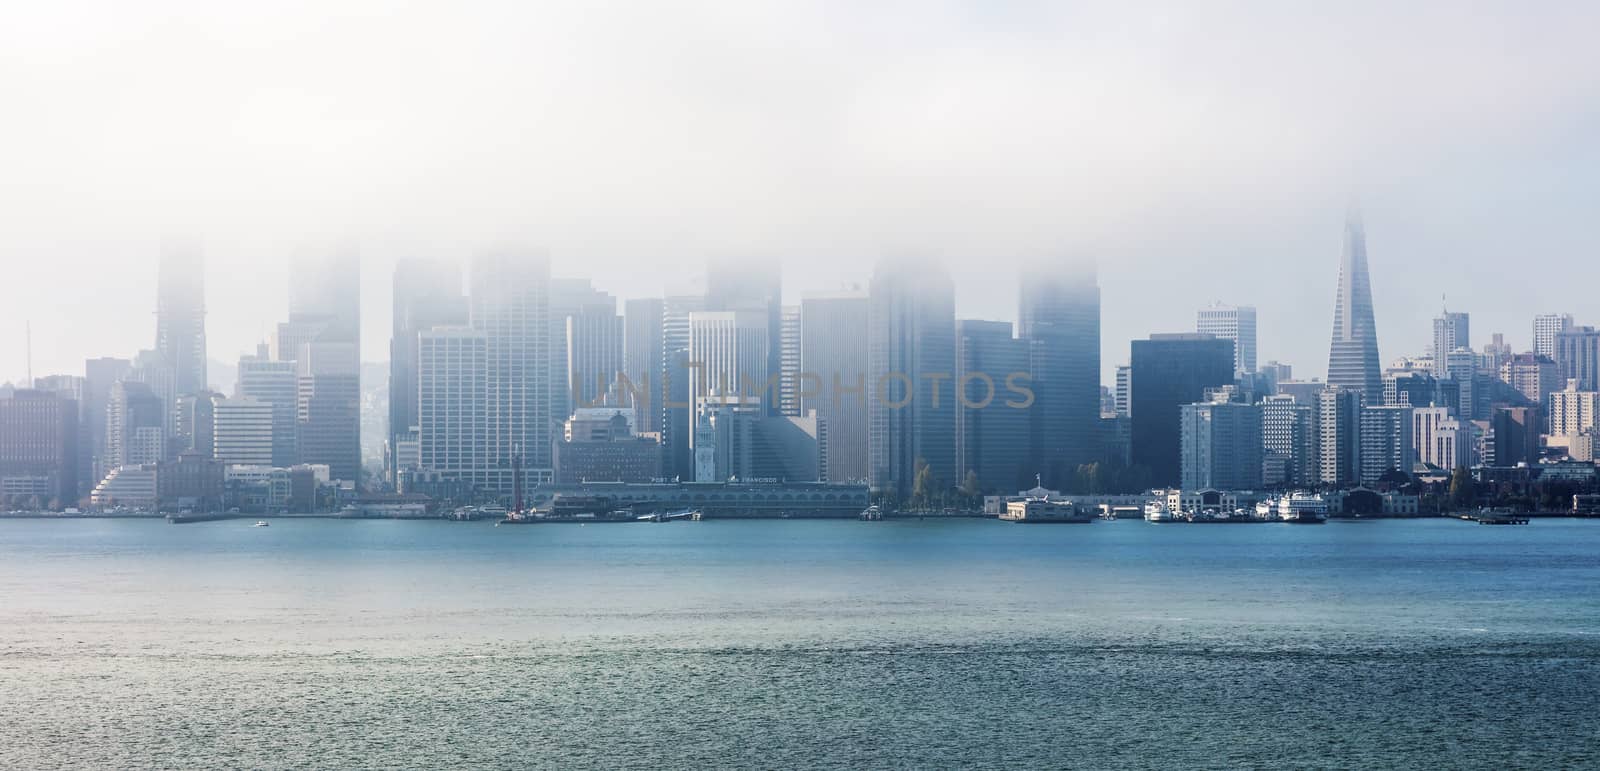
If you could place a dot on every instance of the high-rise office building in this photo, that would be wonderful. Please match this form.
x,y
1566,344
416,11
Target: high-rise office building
x,y
1545,328
1236,323
1353,354
789,362
643,360
1573,410
453,406
136,424
1461,366
1578,354
1339,424
1169,371
1441,439
569,297
987,428
1220,445
427,294
39,446
1516,435
1450,332
1058,314
323,338
181,316
325,290
594,347
911,361
833,350
196,422
1290,442
1533,375
274,382
151,368
1124,391
1386,443
677,404
751,286
76,389
328,408
99,375
510,306
242,431
728,353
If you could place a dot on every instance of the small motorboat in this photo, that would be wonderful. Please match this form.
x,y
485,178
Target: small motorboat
x,y
262,523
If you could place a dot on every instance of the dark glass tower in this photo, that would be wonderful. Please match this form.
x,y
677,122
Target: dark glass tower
x,y
181,316
911,366
427,294
1059,318
1169,371
1353,356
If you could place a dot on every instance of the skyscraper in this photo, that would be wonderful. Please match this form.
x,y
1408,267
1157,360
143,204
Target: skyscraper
x,y
1578,354
754,286
1236,323
1290,443
1221,445
99,375
427,294
136,425
1339,422
328,408
677,405
728,350
1059,317
1533,375
1386,443
325,288
181,316
510,306
594,354
1353,354
789,362
38,446
1441,439
242,433
1545,328
1167,372
274,382
833,349
453,398
569,297
987,429
643,360
323,338
911,363
1450,331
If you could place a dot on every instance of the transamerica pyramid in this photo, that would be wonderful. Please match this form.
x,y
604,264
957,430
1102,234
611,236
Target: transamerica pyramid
x,y
1353,356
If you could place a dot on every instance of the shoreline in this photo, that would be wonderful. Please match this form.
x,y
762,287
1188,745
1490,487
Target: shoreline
x,y
220,517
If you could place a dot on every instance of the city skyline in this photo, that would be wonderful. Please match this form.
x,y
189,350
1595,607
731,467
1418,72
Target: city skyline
x,y
377,307
1209,147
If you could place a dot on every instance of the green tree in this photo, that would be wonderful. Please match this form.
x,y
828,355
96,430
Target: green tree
x,y
1463,493
923,485
969,486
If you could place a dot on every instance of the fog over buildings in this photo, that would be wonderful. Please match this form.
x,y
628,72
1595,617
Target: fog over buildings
x,y
1198,154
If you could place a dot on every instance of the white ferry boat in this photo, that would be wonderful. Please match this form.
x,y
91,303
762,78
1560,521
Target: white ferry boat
x,y
1303,509
1156,511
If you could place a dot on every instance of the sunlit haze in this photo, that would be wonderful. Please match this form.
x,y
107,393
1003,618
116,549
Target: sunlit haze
x,y
1198,152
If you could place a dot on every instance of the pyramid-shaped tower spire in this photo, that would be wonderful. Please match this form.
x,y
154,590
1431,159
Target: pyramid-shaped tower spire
x,y
1353,356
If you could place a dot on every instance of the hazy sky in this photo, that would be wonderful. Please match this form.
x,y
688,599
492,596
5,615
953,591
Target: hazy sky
x,y
1199,151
